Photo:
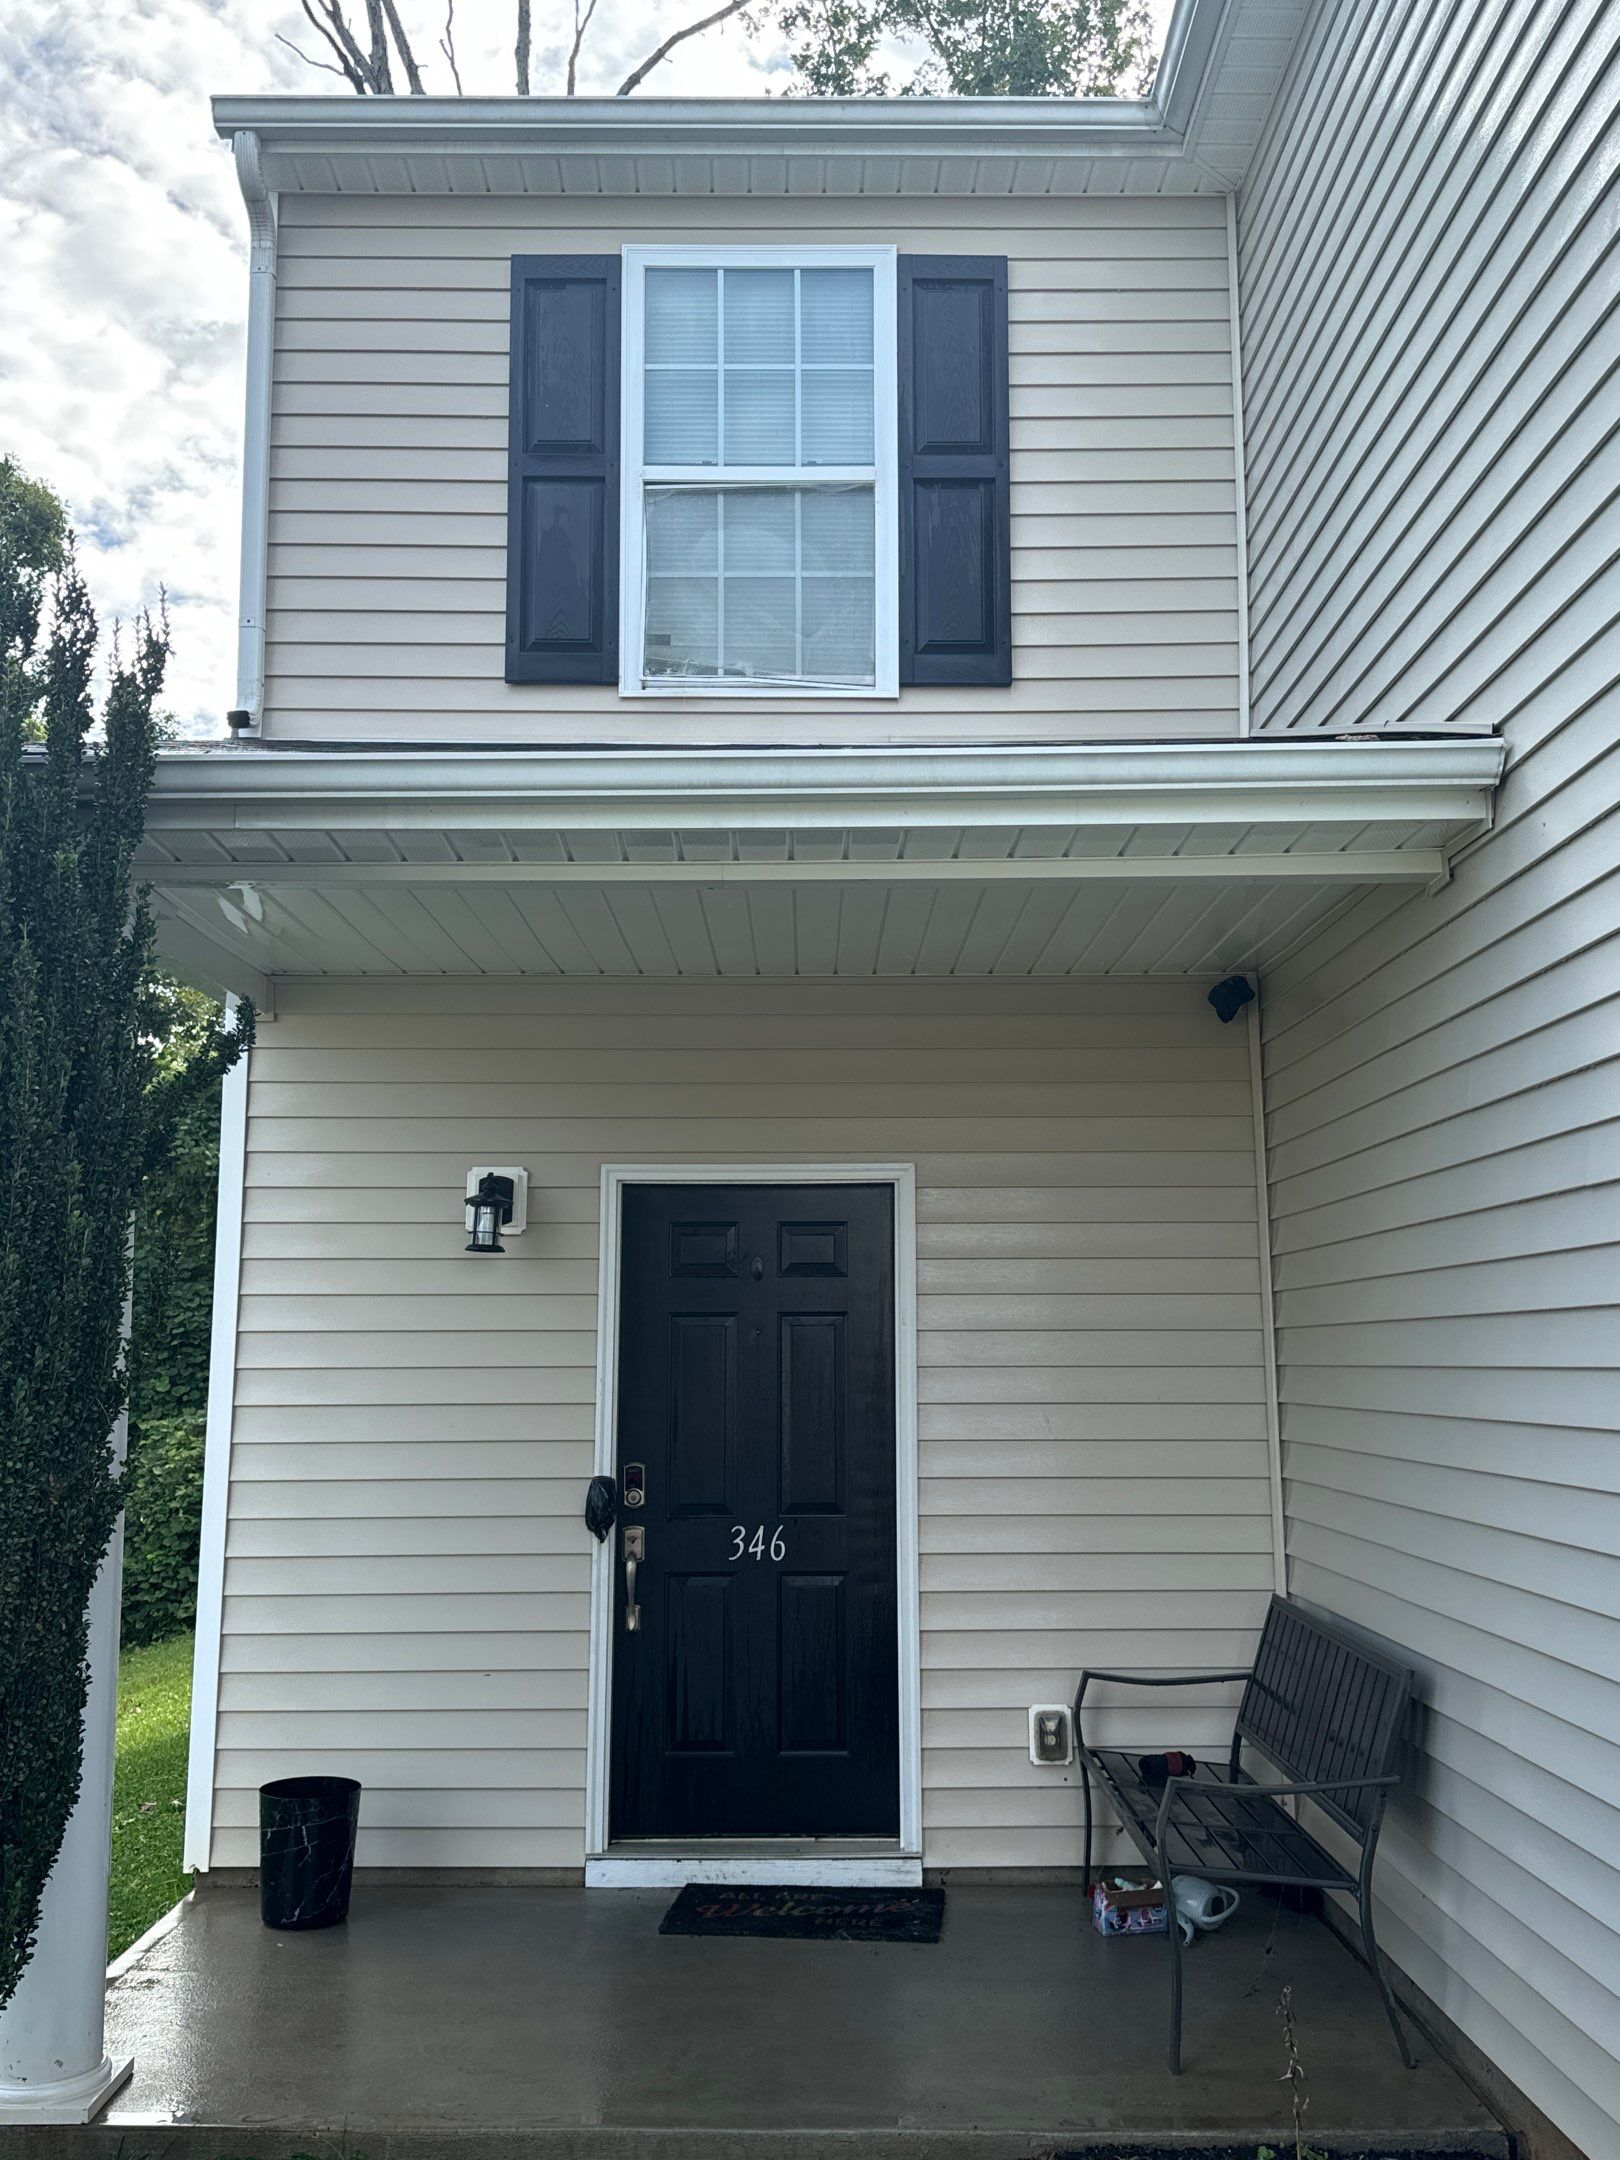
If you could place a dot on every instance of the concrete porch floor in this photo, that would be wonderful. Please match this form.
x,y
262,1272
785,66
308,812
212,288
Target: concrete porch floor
x,y
531,2024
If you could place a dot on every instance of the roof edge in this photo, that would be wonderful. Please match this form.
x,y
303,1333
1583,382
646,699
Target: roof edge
x,y
1203,780
824,127
838,128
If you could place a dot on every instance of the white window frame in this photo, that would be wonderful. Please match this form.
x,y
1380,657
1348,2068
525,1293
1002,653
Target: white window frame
x,y
886,494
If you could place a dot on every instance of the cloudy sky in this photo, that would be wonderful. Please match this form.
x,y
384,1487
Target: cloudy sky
x,y
123,278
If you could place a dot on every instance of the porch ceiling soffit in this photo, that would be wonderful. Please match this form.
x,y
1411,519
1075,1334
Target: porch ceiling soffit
x,y
1194,132
1097,859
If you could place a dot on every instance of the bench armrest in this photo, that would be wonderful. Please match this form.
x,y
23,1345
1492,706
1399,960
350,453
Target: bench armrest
x,y
1253,1790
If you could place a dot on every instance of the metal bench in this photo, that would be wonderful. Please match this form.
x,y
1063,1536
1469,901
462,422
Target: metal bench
x,y
1332,1715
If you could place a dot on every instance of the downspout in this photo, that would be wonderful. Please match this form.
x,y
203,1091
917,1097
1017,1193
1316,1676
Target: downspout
x,y
261,210
1268,1305
1240,476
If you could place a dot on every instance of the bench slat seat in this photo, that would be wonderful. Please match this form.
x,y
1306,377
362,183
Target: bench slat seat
x,y
1235,1835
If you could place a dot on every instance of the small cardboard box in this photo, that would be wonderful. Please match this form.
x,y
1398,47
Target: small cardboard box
x,y
1128,1909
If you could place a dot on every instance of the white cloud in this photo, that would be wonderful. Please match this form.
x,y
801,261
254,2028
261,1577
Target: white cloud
x,y
123,281
121,261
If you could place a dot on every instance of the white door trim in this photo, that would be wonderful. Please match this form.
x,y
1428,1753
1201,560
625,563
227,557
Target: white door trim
x,y
902,1177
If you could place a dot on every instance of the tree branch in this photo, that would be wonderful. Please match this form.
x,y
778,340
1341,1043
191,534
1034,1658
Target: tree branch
x,y
402,45
345,72
447,44
522,52
382,75
331,25
720,15
581,24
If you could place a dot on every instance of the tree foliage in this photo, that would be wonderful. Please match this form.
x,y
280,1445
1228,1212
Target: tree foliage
x,y
33,539
163,1482
964,48
366,53
174,1224
972,48
172,1309
86,1115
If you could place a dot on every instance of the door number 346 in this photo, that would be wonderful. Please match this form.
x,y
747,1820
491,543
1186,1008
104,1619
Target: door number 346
x,y
742,1543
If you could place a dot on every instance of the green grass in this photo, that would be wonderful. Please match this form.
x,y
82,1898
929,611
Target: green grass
x,y
149,1788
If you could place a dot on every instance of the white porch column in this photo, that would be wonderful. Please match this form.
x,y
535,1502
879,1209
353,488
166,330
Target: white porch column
x,y
54,2065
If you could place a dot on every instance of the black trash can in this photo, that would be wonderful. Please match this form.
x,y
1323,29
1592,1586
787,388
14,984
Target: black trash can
x,y
306,1850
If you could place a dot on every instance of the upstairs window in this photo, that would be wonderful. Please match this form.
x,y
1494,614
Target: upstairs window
x,y
759,472
759,497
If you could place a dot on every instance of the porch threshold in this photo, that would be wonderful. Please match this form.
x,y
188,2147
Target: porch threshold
x,y
499,2024
670,1864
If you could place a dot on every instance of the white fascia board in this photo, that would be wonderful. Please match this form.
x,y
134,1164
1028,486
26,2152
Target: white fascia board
x,y
1255,781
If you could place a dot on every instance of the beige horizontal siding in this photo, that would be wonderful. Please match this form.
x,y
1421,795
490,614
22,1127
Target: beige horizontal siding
x,y
1433,538
386,600
1427,307
1441,1097
407,1574
1428,337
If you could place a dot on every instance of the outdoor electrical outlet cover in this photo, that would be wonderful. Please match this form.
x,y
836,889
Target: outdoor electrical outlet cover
x,y
520,1195
1051,1749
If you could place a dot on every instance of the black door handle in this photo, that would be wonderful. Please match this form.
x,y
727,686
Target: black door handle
x,y
601,1507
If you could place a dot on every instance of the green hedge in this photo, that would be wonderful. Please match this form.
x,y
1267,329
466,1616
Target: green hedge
x,y
162,1520
168,1348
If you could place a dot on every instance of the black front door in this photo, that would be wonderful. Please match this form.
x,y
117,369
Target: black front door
x,y
757,1694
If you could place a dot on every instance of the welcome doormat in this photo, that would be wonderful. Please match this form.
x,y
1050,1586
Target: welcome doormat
x,y
863,1916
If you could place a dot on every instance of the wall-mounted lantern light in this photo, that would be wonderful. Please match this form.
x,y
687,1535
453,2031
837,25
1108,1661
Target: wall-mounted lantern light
x,y
492,1205
497,1200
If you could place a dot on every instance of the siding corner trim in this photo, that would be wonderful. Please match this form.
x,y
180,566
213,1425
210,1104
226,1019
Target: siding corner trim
x,y
217,1462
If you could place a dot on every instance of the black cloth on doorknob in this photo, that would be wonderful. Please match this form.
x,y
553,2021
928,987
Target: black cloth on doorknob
x,y
601,1507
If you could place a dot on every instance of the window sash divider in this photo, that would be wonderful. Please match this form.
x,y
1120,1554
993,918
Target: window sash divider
x,y
721,477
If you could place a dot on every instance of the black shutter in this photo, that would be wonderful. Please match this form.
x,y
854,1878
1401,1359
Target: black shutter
x,y
955,527
562,522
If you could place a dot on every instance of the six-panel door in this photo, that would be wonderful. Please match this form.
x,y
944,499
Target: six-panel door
x,y
758,1694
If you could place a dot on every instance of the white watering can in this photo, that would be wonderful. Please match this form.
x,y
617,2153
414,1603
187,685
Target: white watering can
x,y
1201,1904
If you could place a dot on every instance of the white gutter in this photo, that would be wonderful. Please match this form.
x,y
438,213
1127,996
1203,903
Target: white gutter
x,y
1261,781
261,209
841,128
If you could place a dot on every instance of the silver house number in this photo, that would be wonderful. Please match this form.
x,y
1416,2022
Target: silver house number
x,y
755,1547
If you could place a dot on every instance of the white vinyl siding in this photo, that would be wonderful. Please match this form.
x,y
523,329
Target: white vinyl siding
x,y
388,496
1426,296
1431,517
1443,1076
406,1592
